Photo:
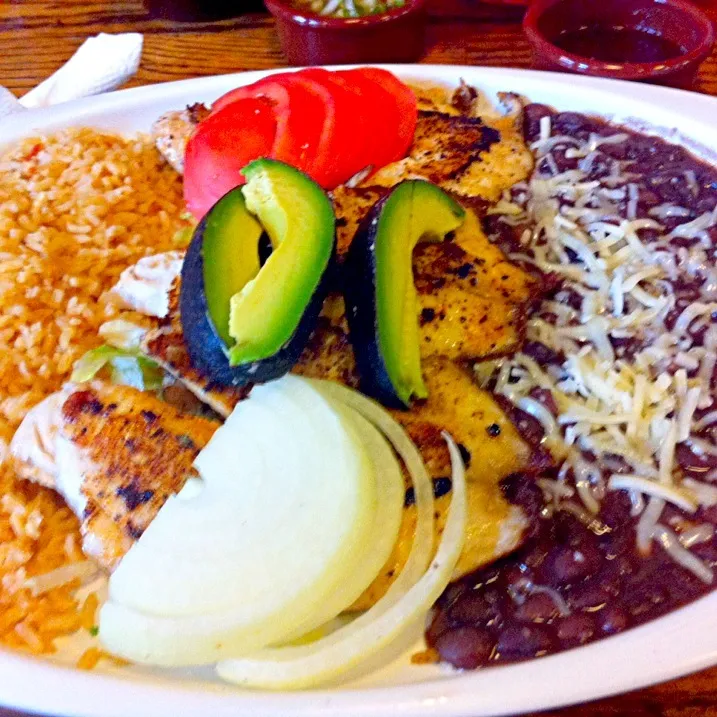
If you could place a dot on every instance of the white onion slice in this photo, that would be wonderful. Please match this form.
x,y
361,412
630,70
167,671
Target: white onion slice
x,y
305,666
384,533
422,548
288,494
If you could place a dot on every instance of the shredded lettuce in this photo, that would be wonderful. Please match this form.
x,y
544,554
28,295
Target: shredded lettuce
x,y
126,368
122,334
183,237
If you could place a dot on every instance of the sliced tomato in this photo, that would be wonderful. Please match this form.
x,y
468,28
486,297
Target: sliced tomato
x,y
222,145
405,100
382,116
345,140
241,93
299,111
334,124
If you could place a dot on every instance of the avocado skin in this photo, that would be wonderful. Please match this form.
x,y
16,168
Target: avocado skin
x,y
205,347
359,287
415,210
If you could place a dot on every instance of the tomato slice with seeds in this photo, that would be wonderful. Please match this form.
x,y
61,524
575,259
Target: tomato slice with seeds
x,y
222,145
405,100
329,124
299,111
382,117
345,137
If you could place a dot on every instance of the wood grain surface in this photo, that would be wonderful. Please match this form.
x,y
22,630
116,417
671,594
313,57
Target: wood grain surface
x,y
37,36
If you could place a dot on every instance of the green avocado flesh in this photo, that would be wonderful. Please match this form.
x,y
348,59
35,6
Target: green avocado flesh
x,y
416,211
231,256
299,219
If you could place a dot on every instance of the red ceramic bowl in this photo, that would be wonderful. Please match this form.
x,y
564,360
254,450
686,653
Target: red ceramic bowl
x,y
677,21
310,39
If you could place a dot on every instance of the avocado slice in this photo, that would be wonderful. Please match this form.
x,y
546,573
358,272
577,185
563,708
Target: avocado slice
x,y
379,289
300,221
246,317
238,261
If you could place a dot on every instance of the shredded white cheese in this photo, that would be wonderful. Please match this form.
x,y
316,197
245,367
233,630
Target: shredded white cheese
x,y
639,359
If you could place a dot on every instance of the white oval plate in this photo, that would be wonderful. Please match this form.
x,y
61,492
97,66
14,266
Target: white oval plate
x,y
682,642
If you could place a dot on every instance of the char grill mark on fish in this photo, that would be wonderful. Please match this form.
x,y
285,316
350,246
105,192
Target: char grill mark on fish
x,y
165,345
115,454
462,284
172,131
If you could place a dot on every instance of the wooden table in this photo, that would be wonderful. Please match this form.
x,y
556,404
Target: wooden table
x,y
37,36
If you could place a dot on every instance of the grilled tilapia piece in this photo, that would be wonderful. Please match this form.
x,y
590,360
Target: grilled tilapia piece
x,y
463,155
172,131
165,345
492,449
329,354
151,288
467,148
472,305
444,146
491,446
472,302
351,205
115,454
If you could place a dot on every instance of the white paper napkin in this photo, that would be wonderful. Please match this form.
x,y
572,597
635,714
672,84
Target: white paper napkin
x,y
102,63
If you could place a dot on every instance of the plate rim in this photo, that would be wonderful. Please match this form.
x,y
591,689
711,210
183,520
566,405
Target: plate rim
x,y
68,691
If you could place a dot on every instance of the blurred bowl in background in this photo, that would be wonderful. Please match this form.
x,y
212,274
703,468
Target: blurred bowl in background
x,y
200,10
660,41
397,35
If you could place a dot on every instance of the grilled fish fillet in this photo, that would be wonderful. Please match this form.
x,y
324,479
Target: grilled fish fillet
x,y
447,148
474,153
115,454
351,205
459,291
492,449
472,304
165,345
444,148
491,445
172,131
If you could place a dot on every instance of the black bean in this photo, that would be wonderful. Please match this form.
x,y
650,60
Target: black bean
x,y
465,647
615,508
572,124
576,629
521,489
440,624
532,115
541,353
451,594
696,465
512,575
612,619
589,596
544,396
643,598
537,608
566,565
518,642
473,609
